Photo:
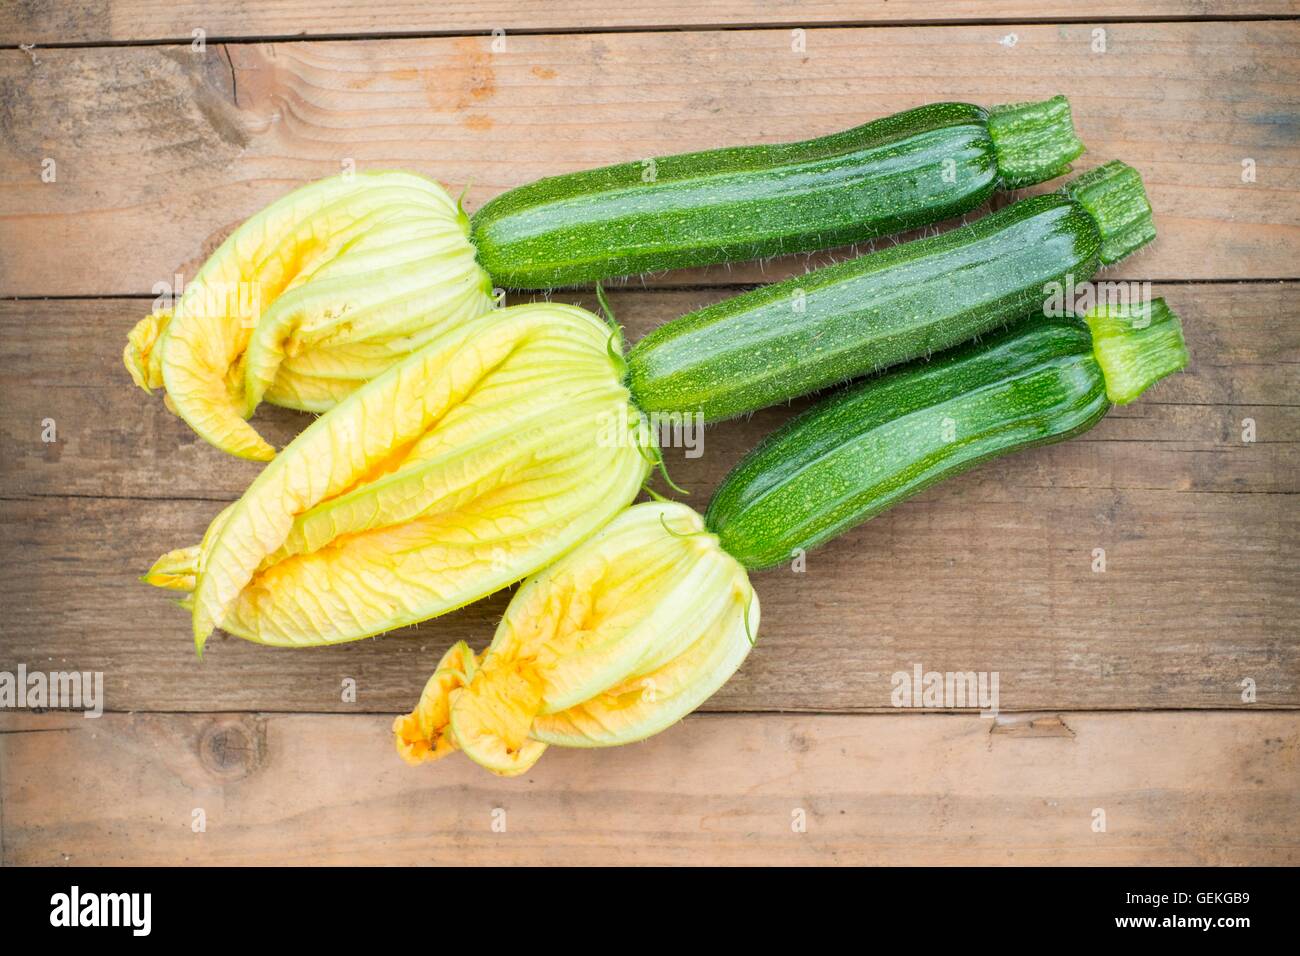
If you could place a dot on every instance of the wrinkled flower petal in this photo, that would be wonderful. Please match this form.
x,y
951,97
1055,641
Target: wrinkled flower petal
x,y
615,642
424,734
319,292
465,468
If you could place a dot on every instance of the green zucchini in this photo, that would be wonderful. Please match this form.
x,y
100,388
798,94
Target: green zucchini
x,y
816,330
874,444
721,205
660,598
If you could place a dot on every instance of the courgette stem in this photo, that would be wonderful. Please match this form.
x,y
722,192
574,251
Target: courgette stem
x,y
1034,142
1113,194
1136,347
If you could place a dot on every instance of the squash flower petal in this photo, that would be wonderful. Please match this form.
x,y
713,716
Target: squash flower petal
x,y
322,290
424,734
499,446
615,642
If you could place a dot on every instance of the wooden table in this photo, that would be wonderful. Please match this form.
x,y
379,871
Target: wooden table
x,y
1157,697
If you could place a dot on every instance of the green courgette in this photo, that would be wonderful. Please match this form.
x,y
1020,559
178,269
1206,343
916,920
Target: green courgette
x,y
876,443
903,302
354,273
897,173
660,598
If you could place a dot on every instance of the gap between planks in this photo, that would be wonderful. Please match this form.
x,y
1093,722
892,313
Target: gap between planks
x,y
735,288
244,39
1007,715
60,22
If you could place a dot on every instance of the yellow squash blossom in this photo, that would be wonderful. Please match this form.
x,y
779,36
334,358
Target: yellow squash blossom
x,y
615,642
465,468
316,294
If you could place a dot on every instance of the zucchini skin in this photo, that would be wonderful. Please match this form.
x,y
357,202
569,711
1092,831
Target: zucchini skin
x,y
872,445
896,173
906,301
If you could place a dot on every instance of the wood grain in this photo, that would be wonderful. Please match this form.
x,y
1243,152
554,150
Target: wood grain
x,y
99,21
62,361
991,571
1200,593
161,151
1203,789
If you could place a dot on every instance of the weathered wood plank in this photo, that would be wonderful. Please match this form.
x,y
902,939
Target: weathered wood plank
x,y
161,151
1216,789
1200,593
988,572
61,362
63,21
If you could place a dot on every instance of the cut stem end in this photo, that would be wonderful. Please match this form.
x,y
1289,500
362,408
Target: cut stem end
x,y
1113,194
1136,346
1034,142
